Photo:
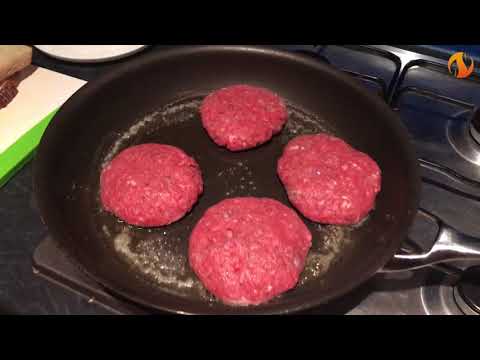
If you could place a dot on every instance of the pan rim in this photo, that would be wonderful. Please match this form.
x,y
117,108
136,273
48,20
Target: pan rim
x,y
143,60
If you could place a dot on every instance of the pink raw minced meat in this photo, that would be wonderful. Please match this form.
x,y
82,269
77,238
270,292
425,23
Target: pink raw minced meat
x,y
327,180
150,185
242,117
248,250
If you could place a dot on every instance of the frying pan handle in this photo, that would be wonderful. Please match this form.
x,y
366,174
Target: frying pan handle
x,y
450,245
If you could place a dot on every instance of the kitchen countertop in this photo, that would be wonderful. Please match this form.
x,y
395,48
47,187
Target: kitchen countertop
x,y
21,230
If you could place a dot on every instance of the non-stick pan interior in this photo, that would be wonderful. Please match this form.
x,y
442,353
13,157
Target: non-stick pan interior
x,y
157,100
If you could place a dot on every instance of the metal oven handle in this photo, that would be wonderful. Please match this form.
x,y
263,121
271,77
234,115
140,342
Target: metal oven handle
x,y
450,245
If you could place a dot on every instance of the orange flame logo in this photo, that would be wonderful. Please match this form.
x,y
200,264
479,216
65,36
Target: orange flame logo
x,y
461,71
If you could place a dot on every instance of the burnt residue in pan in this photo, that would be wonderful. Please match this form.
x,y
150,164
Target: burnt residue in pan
x,y
160,255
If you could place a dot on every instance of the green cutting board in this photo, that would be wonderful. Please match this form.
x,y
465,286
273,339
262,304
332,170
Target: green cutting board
x,y
41,92
12,159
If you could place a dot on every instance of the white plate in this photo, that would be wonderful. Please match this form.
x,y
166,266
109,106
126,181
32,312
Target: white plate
x,y
89,53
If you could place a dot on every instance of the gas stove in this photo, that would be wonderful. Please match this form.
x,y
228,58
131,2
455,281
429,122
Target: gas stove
x,y
440,112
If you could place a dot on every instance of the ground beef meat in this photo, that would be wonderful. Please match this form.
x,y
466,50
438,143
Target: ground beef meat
x,y
8,91
150,185
248,250
241,117
327,180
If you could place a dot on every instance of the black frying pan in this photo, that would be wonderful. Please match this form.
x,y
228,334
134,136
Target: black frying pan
x,y
155,98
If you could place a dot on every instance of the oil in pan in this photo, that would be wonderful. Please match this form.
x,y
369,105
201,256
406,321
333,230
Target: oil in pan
x,y
160,255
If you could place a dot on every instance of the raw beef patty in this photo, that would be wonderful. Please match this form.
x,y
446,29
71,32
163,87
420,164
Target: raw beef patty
x,y
242,117
327,180
150,185
248,250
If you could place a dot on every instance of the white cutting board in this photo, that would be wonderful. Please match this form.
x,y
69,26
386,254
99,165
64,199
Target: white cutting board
x,y
40,93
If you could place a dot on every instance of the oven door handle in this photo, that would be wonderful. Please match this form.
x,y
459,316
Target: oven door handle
x,y
450,245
